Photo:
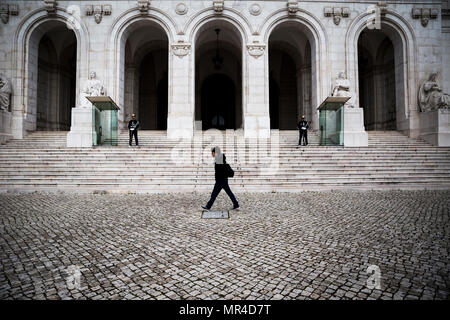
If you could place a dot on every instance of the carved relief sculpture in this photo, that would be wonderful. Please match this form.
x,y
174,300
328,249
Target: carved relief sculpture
x,y
50,6
181,49
5,93
424,15
292,6
342,89
431,96
218,6
93,88
143,6
256,49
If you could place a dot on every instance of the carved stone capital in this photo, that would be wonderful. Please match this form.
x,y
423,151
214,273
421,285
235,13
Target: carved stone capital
x,y
144,6
292,6
181,49
256,50
50,6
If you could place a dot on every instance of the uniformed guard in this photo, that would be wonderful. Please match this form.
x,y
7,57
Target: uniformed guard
x,y
303,129
133,126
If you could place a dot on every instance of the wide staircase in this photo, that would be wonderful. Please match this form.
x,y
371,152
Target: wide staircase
x,y
41,162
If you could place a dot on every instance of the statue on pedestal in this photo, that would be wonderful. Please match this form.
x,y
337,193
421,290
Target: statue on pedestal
x,y
342,89
431,96
93,88
5,93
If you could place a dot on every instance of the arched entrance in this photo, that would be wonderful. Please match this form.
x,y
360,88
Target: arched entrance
x,y
55,84
146,75
218,76
378,86
290,76
218,102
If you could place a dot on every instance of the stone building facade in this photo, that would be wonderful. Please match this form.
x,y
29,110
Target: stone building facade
x,y
188,65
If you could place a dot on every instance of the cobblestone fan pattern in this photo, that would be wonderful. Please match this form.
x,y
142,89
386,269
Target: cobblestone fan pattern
x,y
279,246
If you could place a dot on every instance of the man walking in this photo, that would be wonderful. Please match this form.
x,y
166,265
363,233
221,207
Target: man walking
x,y
303,127
133,126
221,176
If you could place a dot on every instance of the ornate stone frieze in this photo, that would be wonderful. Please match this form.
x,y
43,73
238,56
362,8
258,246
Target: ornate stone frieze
x,y
292,6
181,8
218,6
6,10
181,49
144,6
424,14
50,6
256,49
337,13
98,11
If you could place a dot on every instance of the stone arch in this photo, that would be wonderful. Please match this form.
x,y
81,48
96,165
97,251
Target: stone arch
x,y
229,14
29,31
235,22
115,48
318,39
402,36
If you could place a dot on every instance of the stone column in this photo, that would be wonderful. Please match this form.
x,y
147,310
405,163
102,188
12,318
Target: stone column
x,y
256,113
180,118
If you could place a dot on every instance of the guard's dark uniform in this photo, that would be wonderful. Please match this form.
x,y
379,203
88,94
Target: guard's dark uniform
x,y
133,124
303,126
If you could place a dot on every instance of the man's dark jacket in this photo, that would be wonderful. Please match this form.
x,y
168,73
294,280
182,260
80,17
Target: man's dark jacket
x,y
220,170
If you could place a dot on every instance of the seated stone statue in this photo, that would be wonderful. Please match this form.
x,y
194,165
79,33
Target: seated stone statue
x,y
5,93
431,96
342,89
93,88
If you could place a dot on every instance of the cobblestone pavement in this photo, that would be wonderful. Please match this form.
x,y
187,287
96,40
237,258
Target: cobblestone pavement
x,y
279,246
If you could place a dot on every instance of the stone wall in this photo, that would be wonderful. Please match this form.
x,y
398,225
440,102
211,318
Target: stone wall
x,y
102,29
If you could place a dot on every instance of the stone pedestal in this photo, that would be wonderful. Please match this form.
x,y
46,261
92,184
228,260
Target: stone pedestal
x,y
354,132
5,126
80,135
435,127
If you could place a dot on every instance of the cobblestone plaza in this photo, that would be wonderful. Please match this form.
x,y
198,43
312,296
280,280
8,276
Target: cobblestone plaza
x,y
311,245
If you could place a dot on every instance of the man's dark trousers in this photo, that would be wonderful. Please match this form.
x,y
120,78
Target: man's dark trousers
x,y
133,133
221,184
304,134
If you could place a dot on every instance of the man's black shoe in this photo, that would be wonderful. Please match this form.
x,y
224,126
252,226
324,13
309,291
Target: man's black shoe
x,y
235,207
206,208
